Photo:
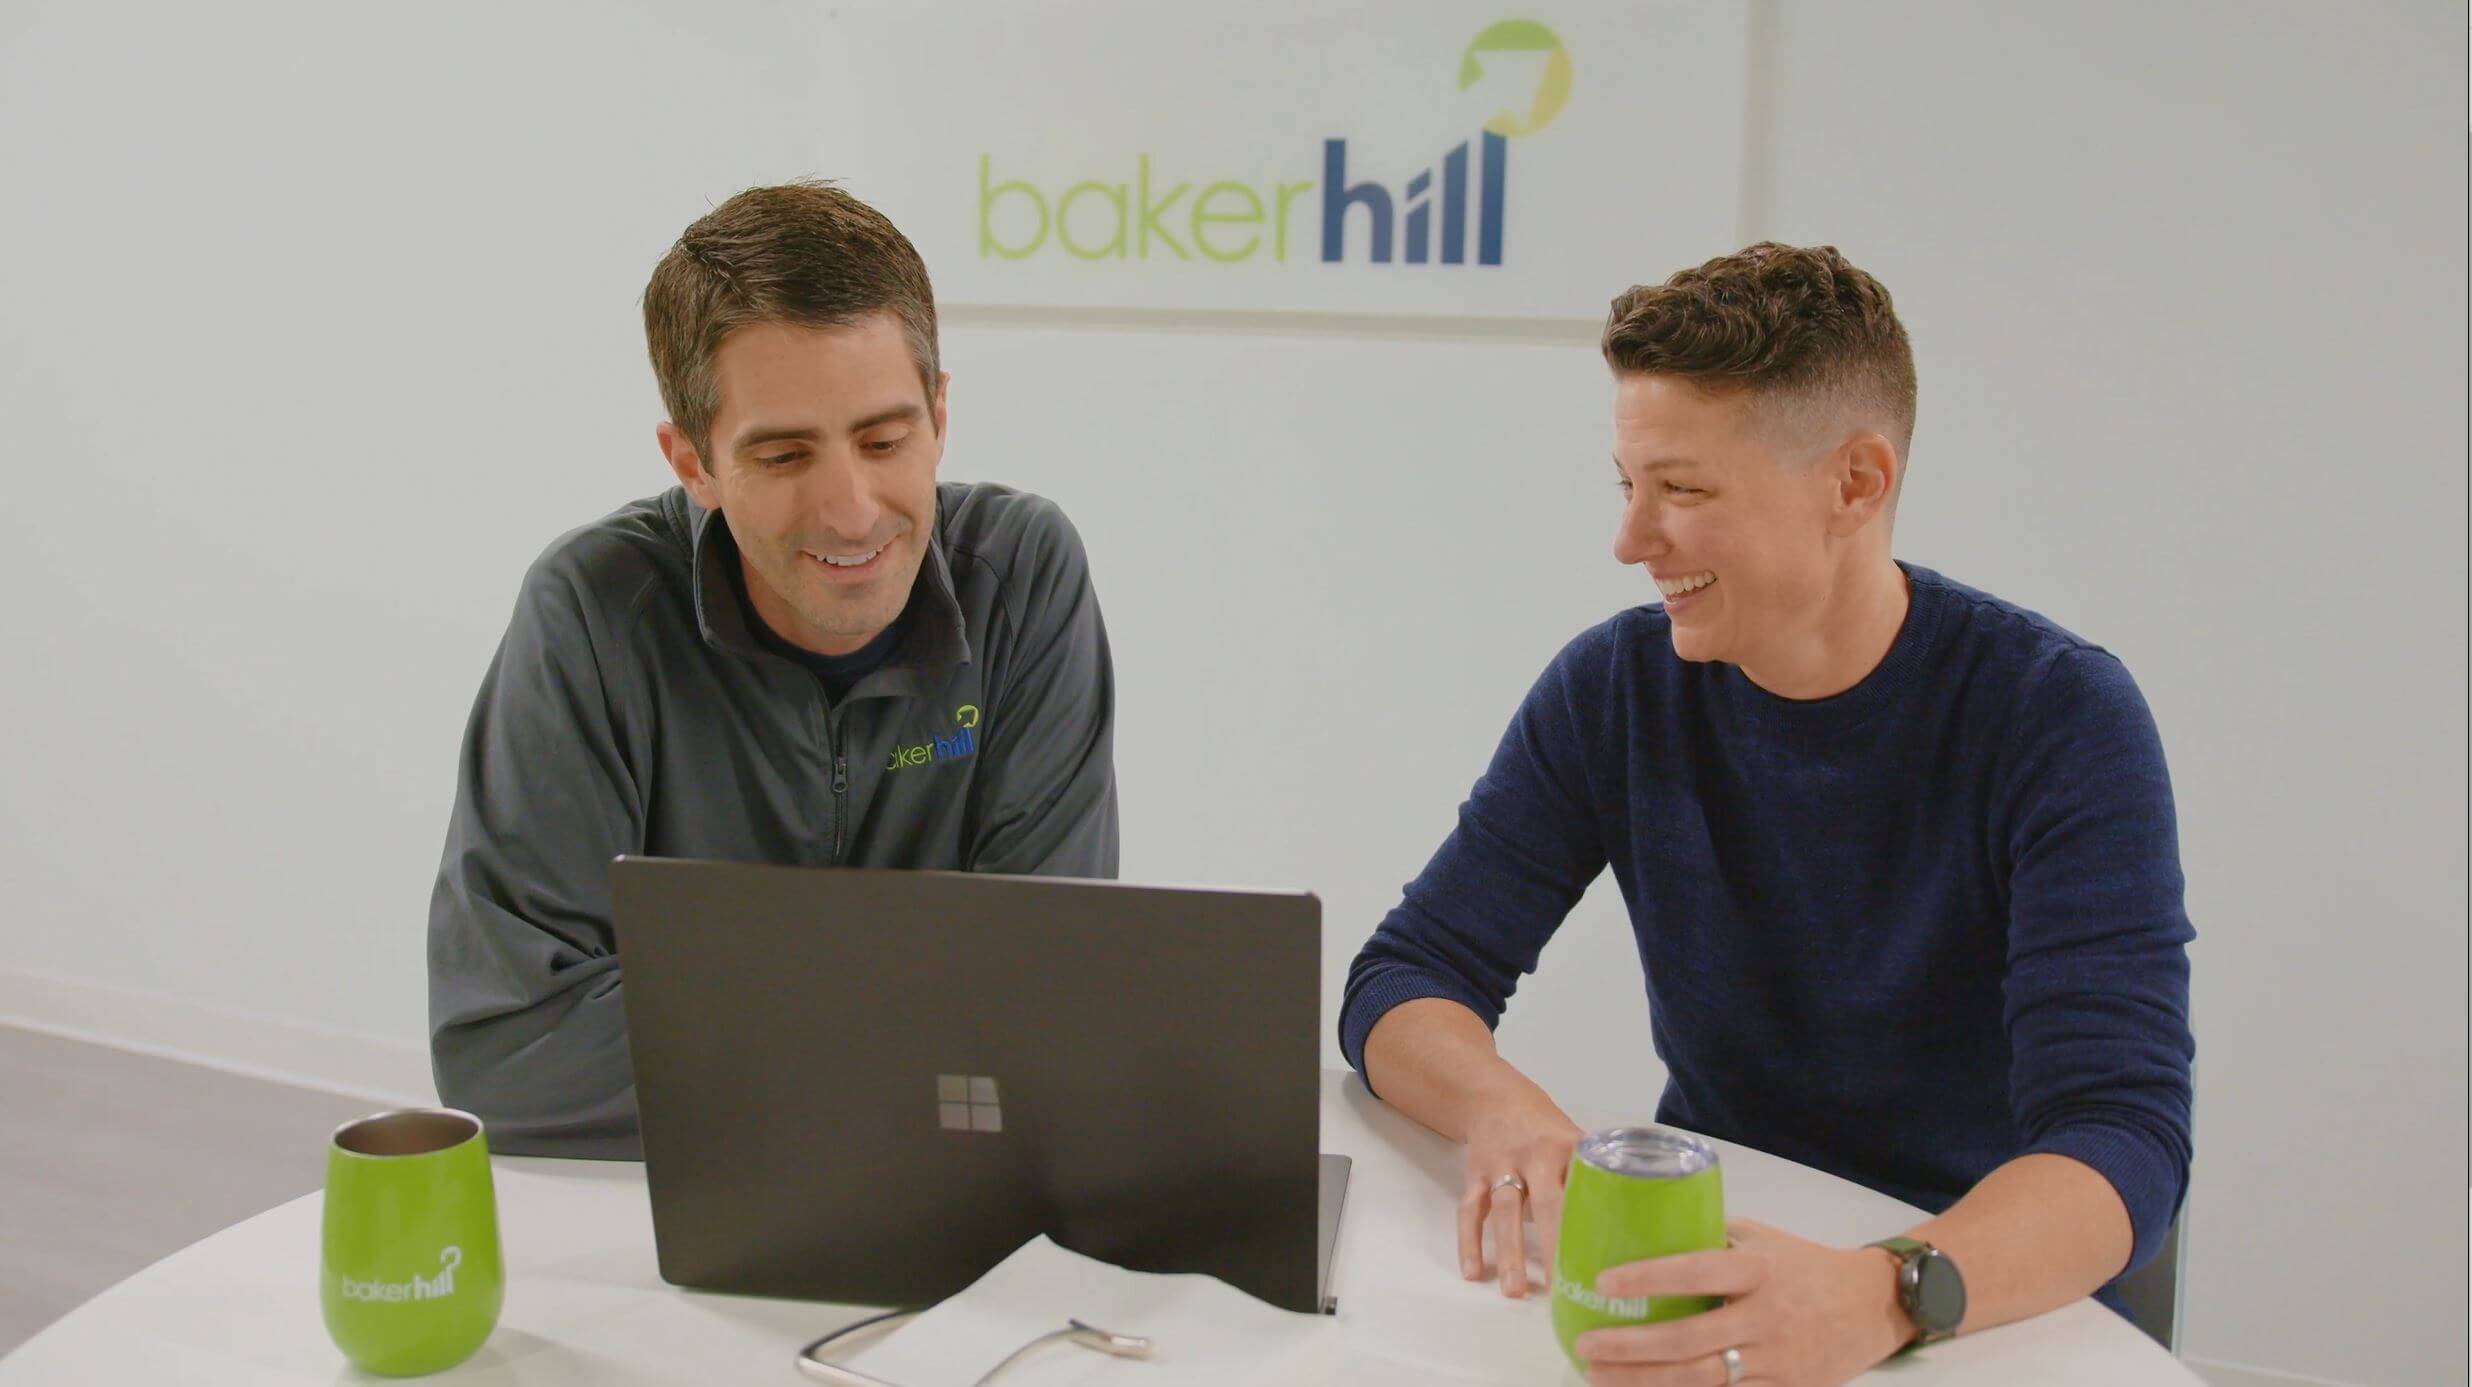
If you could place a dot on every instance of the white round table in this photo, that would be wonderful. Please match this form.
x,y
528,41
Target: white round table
x,y
585,1304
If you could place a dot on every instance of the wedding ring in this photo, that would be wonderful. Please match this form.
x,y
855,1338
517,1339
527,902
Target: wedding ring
x,y
1512,1182
1732,1359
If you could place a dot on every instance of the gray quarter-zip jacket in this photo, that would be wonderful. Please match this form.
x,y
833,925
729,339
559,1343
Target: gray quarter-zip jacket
x,y
631,710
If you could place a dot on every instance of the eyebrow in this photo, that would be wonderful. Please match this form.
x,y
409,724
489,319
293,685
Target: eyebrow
x,y
763,436
1659,464
901,413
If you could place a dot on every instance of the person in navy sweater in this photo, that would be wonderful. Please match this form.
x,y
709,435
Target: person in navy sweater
x,y
1900,858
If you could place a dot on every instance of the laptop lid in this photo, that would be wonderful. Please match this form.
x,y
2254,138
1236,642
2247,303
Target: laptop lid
x,y
871,1086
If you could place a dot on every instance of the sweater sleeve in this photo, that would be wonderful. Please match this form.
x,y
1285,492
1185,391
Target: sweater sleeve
x,y
1526,846
2097,993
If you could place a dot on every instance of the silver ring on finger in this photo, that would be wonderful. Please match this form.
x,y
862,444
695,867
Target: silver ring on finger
x,y
1508,1182
1732,1359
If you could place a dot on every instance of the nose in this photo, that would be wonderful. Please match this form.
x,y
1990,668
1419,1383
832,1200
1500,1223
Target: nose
x,y
839,496
1641,535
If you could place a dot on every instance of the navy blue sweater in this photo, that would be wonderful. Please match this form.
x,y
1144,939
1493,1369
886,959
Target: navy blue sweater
x,y
1903,934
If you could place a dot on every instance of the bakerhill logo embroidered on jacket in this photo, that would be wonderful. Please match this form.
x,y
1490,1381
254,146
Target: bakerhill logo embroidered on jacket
x,y
963,742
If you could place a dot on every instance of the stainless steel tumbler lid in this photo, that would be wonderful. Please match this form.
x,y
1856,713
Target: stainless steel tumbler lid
x,y
1647,1153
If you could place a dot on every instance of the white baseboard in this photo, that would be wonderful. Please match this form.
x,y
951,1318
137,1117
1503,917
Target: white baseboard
x,y
2221,1374
386,1072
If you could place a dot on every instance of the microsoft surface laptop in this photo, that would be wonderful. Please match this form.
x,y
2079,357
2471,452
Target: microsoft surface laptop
x,y
871,1086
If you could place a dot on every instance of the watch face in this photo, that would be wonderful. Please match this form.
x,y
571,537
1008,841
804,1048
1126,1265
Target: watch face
x,y
1939,1294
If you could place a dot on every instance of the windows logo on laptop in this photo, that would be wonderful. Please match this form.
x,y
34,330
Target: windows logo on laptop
x,y
967,1103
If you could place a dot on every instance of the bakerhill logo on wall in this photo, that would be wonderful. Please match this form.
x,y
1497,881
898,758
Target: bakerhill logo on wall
x,y
1452,213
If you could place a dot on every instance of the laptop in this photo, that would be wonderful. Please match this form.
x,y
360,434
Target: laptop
x,y
870,1087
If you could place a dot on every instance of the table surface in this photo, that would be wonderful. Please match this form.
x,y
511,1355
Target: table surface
x,y
585,1303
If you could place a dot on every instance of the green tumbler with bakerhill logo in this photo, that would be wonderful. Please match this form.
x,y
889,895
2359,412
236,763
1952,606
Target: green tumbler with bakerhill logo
x,y
1633,1193
410,1276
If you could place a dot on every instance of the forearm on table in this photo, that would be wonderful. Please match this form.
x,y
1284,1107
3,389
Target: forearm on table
x,y
2034,1235
1435,1060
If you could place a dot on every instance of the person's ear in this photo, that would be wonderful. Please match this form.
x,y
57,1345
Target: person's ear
x,y
688,463
1867,470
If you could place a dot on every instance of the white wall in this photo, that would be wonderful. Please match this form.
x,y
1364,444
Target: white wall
x,y
316,323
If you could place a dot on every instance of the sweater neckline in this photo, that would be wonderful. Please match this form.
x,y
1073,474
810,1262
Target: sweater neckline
x,y
1927,602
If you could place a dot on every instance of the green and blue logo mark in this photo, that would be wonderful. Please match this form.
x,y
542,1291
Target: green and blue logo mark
x,y
1428,221
963,742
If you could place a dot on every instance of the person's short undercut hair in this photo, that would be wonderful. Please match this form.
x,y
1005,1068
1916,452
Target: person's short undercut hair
x,y
804,253
1796,328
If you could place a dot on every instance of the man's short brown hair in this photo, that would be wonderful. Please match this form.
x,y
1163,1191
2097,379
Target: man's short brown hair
x,y
1796,324
804,253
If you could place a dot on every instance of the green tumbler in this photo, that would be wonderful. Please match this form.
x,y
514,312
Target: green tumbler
x,y
1633,1193
410,1277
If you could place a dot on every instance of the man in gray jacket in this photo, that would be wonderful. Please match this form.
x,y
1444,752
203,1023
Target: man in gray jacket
x,y
808,652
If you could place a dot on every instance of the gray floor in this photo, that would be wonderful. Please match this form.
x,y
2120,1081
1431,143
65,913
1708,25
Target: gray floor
x,y
111,1160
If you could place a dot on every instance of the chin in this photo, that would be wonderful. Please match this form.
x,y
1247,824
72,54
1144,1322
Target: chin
x,y
850,622
1693,646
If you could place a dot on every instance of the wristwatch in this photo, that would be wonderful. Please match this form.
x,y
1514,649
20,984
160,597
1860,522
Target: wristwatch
x,y
1928,1287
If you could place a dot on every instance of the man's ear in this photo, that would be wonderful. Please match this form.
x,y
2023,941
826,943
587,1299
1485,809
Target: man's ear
x,y
689,465
1867,471
944,386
